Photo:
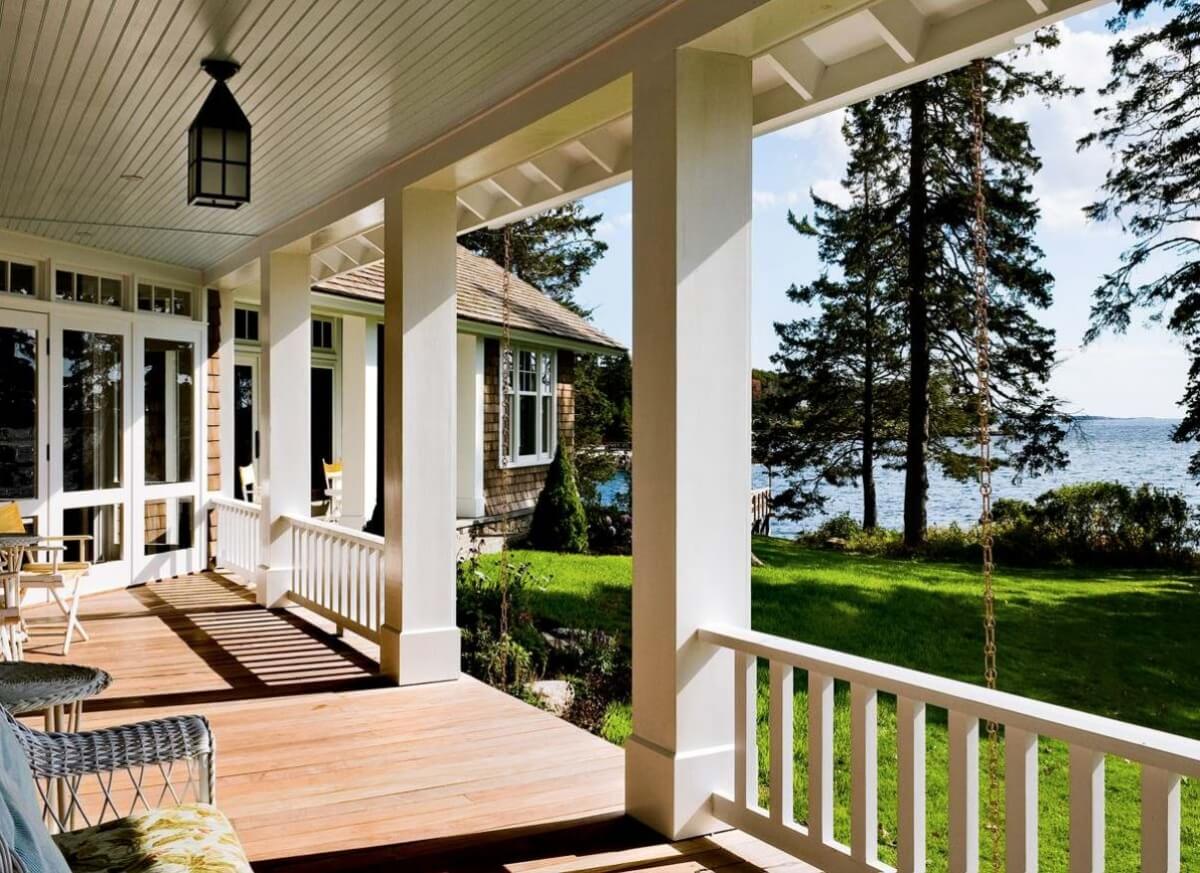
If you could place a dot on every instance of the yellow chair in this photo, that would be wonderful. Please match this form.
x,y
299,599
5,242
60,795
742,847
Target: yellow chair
x,y
333,489
62,579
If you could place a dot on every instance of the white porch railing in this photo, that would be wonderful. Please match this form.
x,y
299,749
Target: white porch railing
x,y
238,535
338,573
1163,759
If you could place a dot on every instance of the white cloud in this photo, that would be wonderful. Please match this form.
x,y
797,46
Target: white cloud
x,y
615,227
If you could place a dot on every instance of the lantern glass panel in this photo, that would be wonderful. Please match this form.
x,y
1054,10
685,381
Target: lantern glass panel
x,y
235,145
211,142
235,180
210,178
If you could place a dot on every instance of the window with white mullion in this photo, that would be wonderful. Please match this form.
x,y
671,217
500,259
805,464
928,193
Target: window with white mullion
x,y
530,424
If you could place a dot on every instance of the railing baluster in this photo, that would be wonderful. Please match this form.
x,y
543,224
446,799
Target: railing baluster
x,y
1160,820
1087,810
964,793
910,738
820,757
1020,801
745,730
864,773
783,753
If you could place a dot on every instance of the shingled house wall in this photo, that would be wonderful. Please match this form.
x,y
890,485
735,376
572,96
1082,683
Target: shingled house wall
x,y
516,489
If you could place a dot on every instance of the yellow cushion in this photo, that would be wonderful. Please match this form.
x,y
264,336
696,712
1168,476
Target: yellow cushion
x,y
10,519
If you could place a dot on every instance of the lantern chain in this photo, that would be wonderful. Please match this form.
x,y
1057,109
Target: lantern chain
x,y
983,379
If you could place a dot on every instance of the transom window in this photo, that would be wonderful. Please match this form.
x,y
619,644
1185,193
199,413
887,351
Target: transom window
x,y
164,300
17,278
245,325
87,288
532,423
322,334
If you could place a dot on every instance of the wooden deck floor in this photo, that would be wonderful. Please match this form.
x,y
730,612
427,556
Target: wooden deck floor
x,y
322,767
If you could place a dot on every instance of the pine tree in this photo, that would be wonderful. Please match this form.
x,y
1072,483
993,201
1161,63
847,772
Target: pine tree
x,y
552,251
559,522
1152,126
839,402
930,124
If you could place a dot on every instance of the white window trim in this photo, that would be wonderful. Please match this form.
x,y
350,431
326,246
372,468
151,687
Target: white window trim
x,y
509,424
8,293
59,266
196,294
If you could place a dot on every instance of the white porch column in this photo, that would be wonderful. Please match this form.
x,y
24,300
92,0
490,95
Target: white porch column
x,y
371,471
226,357
470,426
691,425
420,640
284,472
355,401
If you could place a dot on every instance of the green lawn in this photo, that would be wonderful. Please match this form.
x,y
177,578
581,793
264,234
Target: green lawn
x,y
1122,644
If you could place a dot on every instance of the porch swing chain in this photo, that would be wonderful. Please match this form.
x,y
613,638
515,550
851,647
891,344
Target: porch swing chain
x,y
982,375
506,362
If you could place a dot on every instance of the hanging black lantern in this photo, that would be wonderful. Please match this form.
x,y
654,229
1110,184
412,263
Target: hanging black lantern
x,y
219,145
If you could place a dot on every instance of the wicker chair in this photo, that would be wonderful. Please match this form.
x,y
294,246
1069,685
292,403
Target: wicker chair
x,y
142,793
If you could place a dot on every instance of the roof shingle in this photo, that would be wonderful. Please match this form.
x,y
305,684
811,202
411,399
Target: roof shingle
x,y
481,299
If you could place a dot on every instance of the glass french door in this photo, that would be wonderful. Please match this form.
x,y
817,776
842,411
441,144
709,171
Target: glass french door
x,y
91,410
24,423
168,462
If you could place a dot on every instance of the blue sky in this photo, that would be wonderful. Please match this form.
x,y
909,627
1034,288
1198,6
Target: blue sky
x,y
1140,373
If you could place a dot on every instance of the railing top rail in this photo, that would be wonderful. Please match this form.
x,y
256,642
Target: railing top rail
x,y
1145,745
328,528
233,503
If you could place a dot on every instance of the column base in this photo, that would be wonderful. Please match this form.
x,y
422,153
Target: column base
x,y
271,586
670,792
420,656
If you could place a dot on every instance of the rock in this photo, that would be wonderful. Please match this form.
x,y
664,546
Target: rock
x,y
835,543
554,695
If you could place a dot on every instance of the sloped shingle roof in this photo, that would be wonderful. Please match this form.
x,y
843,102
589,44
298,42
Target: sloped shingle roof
x,y
481,299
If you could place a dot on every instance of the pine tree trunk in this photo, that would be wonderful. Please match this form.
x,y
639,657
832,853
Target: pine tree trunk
x,y
870,515
916,478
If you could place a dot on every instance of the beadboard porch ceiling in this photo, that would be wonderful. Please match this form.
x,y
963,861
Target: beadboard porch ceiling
x,y
516,106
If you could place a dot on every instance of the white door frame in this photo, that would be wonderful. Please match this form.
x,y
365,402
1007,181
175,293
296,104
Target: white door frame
x,y
110,574
189,560
37,506
251,359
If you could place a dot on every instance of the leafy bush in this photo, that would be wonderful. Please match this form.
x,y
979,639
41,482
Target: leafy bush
x,y
1095,523
559,523
1100,523
610,530
598,667
500,644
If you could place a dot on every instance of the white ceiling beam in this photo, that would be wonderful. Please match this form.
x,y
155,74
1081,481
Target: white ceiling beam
x,y
553,166
502,191
477,200
515,185
585,179
796,63
374,237
1039,6
901,25
603,148
982,31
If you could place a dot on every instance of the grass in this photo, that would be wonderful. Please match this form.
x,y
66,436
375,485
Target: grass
x,y
1117,643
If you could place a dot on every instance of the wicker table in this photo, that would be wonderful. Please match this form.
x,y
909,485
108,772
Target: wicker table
x,y
12,551
58,690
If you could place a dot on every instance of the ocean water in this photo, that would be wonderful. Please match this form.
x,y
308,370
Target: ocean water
x,y
1127,450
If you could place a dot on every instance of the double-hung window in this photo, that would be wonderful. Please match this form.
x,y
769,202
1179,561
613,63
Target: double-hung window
x,y
531,422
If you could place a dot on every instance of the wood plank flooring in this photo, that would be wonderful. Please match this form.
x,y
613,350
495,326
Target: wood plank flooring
x,y
323,767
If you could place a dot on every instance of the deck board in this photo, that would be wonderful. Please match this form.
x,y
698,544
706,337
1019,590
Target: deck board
x,y
322,766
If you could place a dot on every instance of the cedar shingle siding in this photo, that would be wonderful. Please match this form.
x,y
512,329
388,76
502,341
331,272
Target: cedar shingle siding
x,y
516,489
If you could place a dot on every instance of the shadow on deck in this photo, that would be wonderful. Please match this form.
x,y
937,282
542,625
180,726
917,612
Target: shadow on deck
x,y
322,766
